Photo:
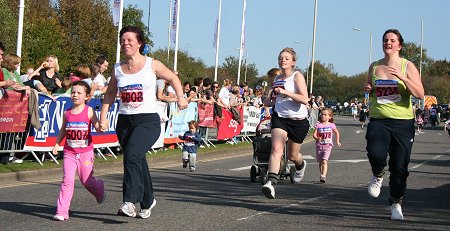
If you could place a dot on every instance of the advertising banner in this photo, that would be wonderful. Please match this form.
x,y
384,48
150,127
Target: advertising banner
x,y
229,128
13,112
51,114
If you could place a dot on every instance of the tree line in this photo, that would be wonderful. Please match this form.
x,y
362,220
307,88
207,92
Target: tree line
x,y
79,31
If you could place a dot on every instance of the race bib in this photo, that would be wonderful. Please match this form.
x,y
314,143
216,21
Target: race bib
x,y
77,134
387,91
132,96
325,135
277,83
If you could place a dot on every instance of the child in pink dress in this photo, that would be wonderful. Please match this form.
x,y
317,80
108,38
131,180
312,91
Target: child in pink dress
x,y
419,121
323,135
78,150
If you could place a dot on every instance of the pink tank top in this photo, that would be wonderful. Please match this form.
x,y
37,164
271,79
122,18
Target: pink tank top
x,y
78,132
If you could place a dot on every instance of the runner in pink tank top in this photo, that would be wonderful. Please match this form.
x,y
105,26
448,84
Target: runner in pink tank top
x,y
78,150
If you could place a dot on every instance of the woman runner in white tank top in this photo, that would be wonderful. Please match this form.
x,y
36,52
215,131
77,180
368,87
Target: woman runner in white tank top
x,y
288,120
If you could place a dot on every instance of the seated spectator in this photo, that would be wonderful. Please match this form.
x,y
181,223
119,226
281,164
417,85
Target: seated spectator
x,y
11,77
48,74
66,87
164,92
97,81
198,84
83,73
223,98
10,63
186,89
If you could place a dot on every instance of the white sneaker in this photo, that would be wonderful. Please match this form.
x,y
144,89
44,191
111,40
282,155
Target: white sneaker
x,y
268,190
15,160
127,209
58,218
375,186
299,174
396,212
145,213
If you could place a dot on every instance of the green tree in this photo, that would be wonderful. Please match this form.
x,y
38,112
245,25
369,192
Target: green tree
x,y
42,35
8,25
188,67
229,70
439,68
323,81
132,16
89,31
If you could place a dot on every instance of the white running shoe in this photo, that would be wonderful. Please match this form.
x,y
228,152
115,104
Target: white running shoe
x,y
299,174
396,212
375,186
58,218
127,209
268,190
145,213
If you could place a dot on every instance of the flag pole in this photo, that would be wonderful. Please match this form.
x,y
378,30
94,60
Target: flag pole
x,y
118,31
20,31
242,46
217,39
168,32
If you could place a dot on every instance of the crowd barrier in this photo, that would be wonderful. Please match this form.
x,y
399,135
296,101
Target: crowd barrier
x,y
36,135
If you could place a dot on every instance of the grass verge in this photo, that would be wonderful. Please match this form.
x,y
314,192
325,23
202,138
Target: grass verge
x,y
31,164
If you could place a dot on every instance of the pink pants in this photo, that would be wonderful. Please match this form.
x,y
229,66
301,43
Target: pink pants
x,y
83,164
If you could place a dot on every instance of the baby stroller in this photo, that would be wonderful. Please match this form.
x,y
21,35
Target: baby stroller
x,y
262,146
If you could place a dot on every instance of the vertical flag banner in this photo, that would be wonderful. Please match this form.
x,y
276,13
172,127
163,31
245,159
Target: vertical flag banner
x,y
243,30
242,45
116,12
173,29
215,33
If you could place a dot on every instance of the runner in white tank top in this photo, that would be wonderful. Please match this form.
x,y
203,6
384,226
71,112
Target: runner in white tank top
x,y
288,120
138,124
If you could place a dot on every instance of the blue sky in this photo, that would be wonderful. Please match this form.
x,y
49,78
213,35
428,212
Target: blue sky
x,y
274,24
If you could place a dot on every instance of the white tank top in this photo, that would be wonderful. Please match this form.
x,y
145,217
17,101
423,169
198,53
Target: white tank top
x,y
285,106
137,91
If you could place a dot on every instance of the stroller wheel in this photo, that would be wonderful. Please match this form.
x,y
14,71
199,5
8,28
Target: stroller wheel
x,y
253,174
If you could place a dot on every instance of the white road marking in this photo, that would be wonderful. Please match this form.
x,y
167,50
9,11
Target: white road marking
x,y
307,157
349,161
427,161
285,207
241,168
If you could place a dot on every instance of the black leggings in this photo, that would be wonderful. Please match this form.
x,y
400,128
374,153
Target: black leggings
x,y
393,137
137,134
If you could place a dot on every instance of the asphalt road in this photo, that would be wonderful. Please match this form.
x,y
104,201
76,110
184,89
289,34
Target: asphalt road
x,y
219,195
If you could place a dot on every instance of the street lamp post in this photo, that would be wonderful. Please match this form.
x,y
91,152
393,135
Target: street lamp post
x,y
370,49
313,46
421,47
307,62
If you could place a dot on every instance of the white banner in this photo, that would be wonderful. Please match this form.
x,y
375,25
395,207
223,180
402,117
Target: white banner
x,y
162,112
173,28
251,118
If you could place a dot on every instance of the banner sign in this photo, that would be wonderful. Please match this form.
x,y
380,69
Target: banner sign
x,y
251,118
162,112
229,127
177,125
206,115
51,114
13,112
